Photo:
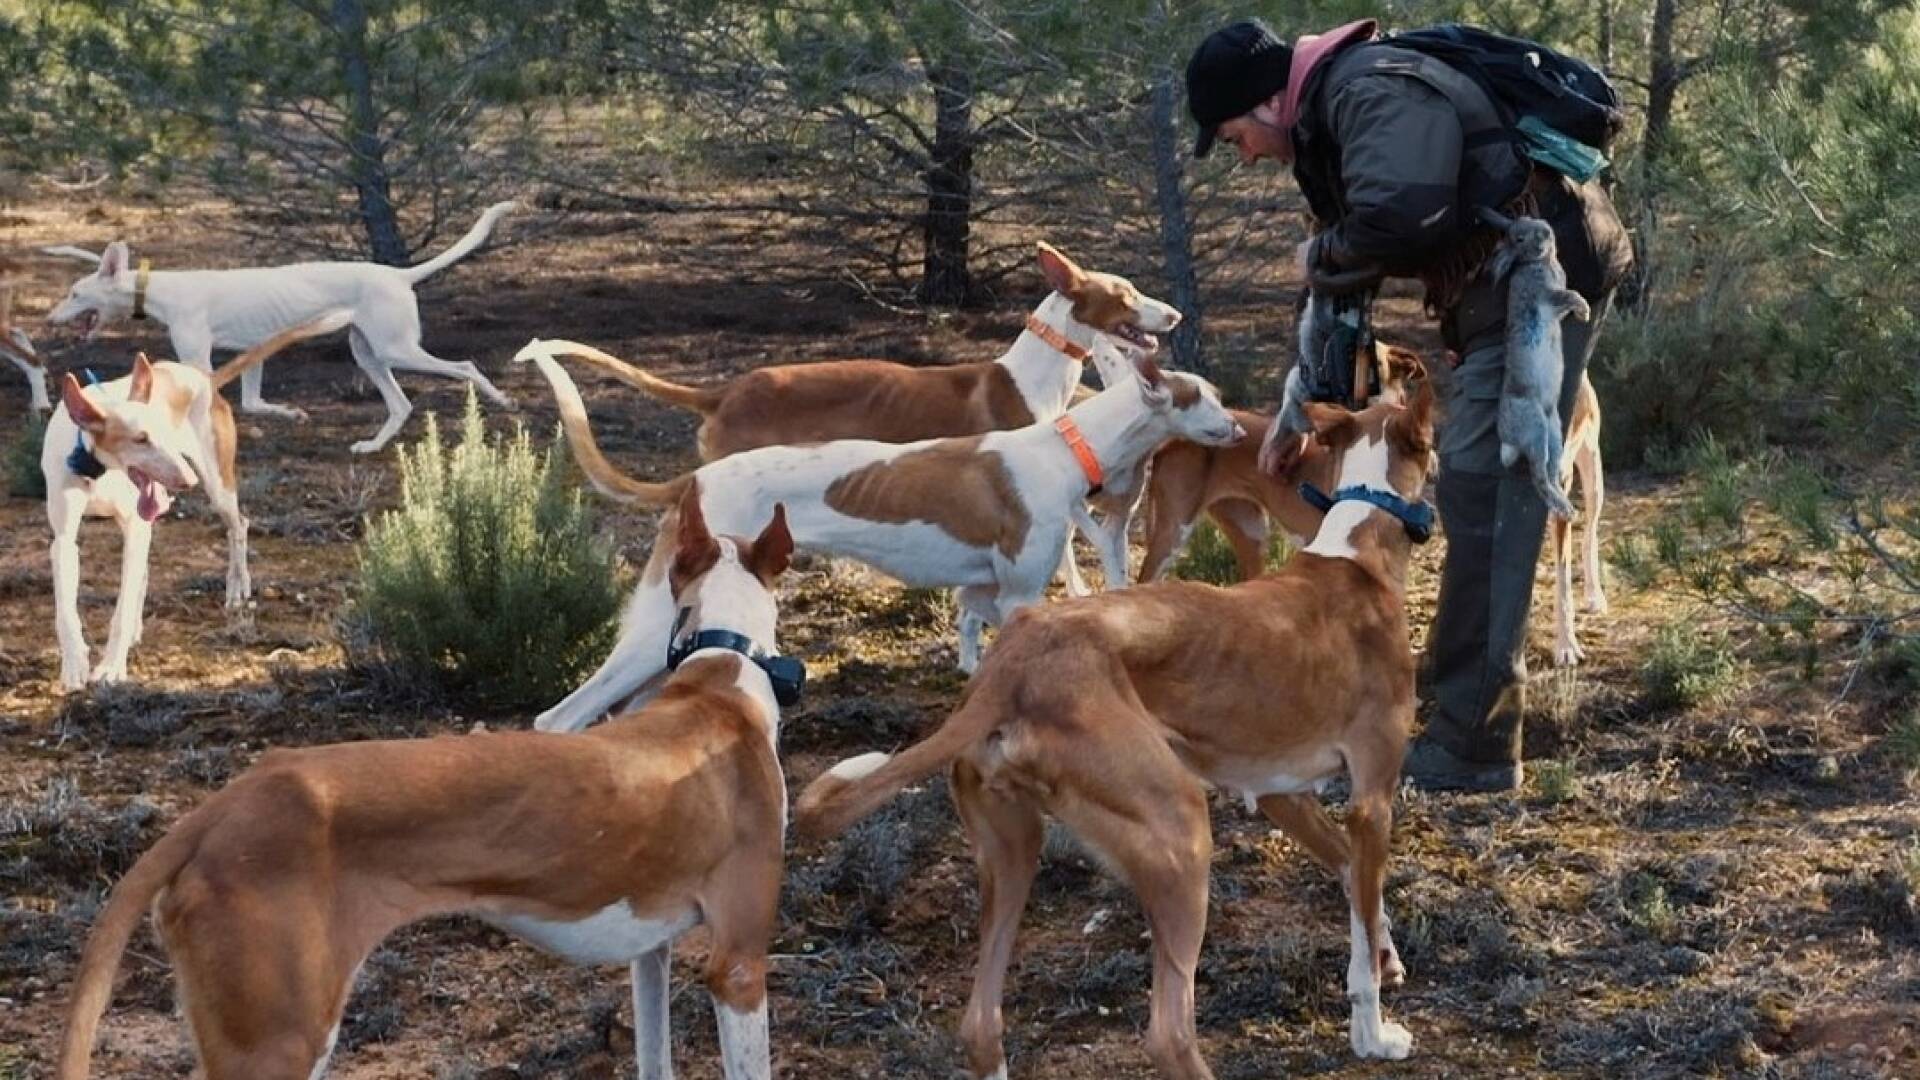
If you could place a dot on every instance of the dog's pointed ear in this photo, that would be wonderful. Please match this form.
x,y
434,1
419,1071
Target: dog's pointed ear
x,y
1412,429
115,260
1333,426
1062,274
80,404
695,550
1153,382
773,548
141,389
1403,367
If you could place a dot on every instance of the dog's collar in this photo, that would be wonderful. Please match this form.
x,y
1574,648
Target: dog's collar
x,y
1052,336
82,461
140,288
787,673
1082,453
1415,517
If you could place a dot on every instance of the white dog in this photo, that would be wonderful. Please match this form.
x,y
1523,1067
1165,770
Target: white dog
x,y
206,310
986,514
119,450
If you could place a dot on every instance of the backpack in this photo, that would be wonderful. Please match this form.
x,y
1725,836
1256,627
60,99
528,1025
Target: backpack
x,y
1527,79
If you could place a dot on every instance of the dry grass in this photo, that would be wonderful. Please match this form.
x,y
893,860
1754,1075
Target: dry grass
x,y
1721,887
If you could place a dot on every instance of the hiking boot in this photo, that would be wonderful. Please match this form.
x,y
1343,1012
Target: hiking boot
x,y
1432,767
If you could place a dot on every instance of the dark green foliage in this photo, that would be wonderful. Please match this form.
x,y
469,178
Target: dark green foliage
x,y
489,578
24,478
1208,557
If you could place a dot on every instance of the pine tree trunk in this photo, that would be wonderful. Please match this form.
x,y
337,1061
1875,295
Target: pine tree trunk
x,y
369,167
1604,17
1176,230
945,279
1663,82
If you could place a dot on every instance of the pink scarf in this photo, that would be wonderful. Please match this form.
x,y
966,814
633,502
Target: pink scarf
x,y
1308,52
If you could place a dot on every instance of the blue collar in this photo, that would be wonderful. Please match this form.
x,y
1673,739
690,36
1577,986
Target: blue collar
x,y
787,674
1416,517
81,461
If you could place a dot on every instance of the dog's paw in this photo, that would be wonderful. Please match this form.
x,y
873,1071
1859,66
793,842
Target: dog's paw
x,y
109,672
1596,603
1568,653
284,412
1392,1042
368,446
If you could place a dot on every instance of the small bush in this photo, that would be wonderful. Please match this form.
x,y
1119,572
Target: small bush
x,y
24,478
1645,904
1635,560
57,837
1557,781
1688,666
1904,742
1209,558
126,715
489,578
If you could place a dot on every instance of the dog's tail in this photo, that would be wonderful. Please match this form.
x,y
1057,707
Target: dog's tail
x,y
325,323
466,245
702,400
860,785
601,473
93,983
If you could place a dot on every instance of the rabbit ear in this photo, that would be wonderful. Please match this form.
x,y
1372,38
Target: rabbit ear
x,y
1489,216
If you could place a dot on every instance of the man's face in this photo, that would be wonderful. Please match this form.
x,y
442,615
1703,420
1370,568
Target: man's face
x,y
1257,136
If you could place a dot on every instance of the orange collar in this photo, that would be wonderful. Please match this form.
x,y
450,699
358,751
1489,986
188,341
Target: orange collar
x,y
1056,339
1076,442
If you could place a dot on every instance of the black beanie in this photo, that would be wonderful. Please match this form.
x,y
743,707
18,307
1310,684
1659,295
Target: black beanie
x,y
1235,69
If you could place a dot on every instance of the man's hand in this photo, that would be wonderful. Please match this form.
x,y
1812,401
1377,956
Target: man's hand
x,y
1323,276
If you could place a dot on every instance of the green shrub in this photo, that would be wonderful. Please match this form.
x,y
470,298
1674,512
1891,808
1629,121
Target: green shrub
x,y
1688,666
24,478
1557,781
1904,742
489,579
1208,557
1635,560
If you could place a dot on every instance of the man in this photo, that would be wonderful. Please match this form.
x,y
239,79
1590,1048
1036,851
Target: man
x,y
1395,151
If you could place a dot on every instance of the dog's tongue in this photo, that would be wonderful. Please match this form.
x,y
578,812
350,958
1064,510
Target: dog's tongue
x,y
154,499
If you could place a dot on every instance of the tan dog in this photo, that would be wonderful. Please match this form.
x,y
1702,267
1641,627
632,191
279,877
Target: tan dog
x,y
601,847
1114,713
1227,484
788,404
119,450
1582,454
17,347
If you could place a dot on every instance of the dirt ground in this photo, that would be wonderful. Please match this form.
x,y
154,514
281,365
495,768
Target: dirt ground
x,y
1725,890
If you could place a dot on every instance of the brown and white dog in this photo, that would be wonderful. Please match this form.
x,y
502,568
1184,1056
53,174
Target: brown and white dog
x,y
601,848
1226,483
18,348
1088,316
119,450
985,514
1034,380
1113,713
1582,455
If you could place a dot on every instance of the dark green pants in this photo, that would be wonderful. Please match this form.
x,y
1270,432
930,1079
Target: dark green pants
x,y
1493,519
1494,523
